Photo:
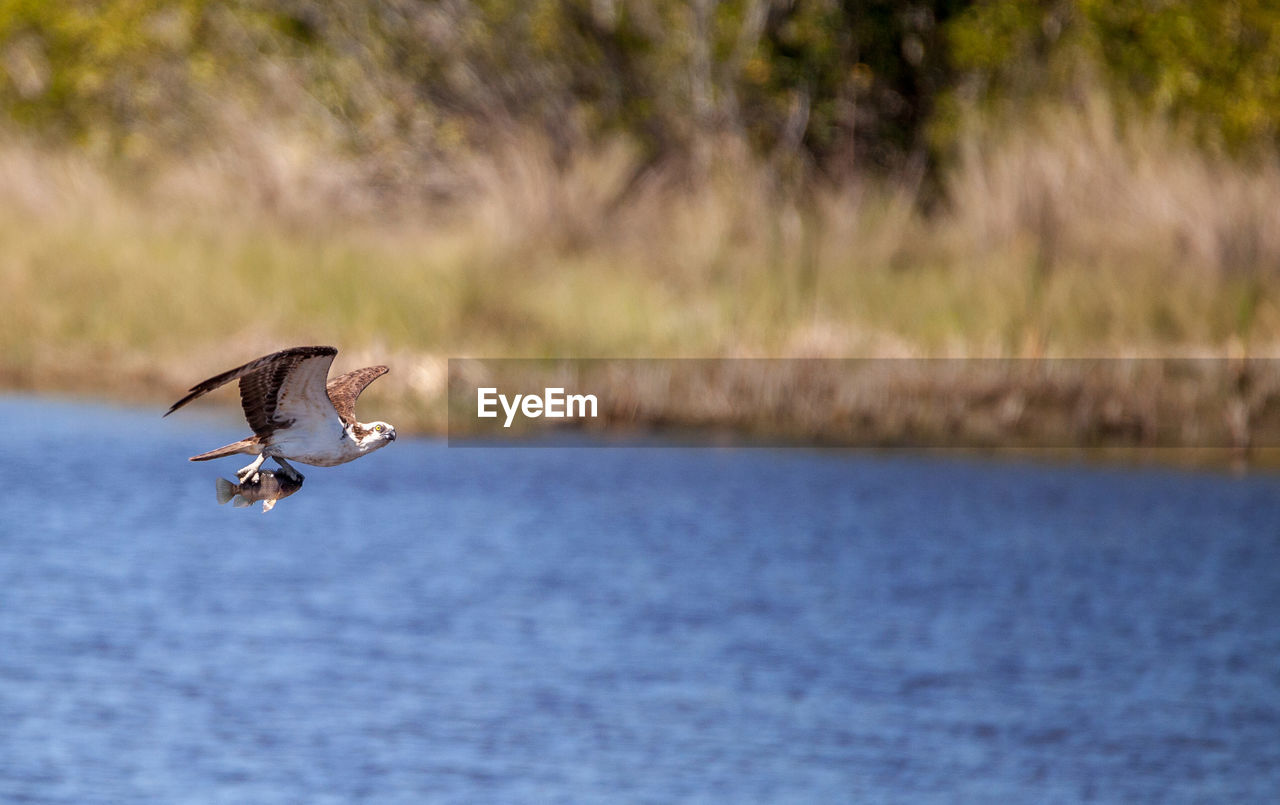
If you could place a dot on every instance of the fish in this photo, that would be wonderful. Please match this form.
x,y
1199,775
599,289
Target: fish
x,y
265,486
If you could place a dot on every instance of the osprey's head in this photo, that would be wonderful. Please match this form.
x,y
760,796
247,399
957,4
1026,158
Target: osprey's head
x,y
375,435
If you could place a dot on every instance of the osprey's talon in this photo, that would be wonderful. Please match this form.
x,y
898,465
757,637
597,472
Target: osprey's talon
x,y
289,470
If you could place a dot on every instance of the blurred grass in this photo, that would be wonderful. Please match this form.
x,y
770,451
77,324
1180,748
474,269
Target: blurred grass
x,y
1066,234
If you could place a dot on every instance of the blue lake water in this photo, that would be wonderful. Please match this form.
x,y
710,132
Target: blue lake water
x,y
435,624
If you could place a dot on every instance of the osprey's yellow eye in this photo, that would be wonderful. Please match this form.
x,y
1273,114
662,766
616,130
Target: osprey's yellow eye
x,y
378,428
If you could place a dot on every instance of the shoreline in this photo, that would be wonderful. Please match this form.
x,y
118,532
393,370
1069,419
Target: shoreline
x,y
886,405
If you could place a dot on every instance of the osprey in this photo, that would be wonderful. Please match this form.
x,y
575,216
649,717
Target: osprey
x,y
295,414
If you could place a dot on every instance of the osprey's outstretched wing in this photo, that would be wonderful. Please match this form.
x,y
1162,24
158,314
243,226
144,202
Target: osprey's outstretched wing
x,y
345,389
277,389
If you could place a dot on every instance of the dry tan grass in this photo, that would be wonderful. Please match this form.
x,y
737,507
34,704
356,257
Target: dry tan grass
x,y
1067,235
1083,188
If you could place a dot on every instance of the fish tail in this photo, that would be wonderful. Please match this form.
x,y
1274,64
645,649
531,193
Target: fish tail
x,y
241,502
226,490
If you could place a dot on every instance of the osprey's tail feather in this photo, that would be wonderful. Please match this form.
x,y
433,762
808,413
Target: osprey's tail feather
x,y
249,446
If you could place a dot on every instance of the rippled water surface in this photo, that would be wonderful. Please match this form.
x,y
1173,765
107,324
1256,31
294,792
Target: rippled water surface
x,y
625,625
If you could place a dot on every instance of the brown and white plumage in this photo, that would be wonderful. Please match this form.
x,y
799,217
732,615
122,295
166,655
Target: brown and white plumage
x,y
343,390
295,412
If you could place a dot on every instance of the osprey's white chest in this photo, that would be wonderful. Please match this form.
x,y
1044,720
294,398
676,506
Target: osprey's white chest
x,y
320,442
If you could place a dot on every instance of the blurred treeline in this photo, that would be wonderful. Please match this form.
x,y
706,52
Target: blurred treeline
x,y
814,88
615,178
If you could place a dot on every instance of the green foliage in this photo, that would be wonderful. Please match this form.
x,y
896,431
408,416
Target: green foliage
x,y
1215,64
844,85
828,80
117,71
1212,66
853,81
